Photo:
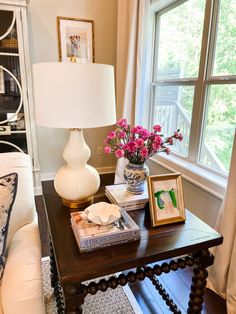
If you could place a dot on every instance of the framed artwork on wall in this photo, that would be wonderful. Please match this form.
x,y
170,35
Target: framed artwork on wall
x,y
166,201
75,39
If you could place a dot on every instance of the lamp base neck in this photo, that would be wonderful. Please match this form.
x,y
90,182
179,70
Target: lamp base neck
x,y
78,204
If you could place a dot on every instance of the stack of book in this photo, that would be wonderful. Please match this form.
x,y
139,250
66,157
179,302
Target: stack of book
x,y
90,236
118,195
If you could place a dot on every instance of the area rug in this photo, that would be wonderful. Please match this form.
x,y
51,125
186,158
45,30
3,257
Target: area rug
x,y
118,301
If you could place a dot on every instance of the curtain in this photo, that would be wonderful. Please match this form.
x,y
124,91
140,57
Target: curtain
x,y
130,65
222,275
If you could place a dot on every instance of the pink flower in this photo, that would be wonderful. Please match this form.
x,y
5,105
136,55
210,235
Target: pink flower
x,y
170,140
131,147
167,150
106,141
134,130
122,123
122,134
111,135
119,153
139,142
178,135
125,147
155,146
144,133
144,152
107,150
139,127
158,139
157,128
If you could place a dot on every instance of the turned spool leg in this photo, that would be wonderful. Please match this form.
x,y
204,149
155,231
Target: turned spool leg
x,y
199,281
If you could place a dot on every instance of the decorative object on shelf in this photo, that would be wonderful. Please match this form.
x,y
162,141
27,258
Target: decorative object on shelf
x,y
166,200
137,144
2,83
118,194
75,96
10,41
90,236
76,37
135,176
103,213
16,122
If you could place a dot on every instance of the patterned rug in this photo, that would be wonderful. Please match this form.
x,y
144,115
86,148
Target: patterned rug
x,y
118,301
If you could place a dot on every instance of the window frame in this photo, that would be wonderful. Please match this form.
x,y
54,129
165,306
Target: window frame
x,y
205,177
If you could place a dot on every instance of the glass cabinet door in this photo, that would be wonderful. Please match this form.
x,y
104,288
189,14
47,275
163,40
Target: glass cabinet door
x,y
12,118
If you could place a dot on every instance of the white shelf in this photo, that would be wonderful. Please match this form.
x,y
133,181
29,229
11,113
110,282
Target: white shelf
x,y
10,54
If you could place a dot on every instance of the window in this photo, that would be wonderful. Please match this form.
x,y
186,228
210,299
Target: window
x,y
194,79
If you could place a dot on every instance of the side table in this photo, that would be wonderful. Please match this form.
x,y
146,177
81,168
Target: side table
x,y
190,240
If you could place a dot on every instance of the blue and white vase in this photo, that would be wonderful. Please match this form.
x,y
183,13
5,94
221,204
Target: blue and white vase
x,y
135,176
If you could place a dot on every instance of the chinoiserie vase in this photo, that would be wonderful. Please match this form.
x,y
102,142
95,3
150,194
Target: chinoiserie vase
x,y
135,176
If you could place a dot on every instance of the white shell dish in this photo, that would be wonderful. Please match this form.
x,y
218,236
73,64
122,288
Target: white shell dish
x,y
103,213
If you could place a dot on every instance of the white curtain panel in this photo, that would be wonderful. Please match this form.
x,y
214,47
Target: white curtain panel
x,y
130,64
222,275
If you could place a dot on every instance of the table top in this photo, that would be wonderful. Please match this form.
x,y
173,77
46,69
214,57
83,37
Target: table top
x,y
156,244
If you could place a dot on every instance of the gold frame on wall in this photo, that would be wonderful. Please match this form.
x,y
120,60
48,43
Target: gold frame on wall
x,y
170,186
84,28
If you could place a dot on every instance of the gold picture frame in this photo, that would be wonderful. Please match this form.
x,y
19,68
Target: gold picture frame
x,y
166,200
75,39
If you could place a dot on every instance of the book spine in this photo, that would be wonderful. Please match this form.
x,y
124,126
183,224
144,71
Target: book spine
x,y
126,199
91,248
133,207
126,207
89,245
97,242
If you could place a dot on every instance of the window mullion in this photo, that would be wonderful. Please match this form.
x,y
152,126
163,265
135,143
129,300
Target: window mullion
x,y
200,88
212,39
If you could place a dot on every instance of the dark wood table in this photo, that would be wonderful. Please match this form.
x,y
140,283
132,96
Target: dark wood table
x,y
186,244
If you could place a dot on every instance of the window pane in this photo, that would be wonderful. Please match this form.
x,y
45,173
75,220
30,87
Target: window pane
x,y
173,110
225,53
219,127
179,42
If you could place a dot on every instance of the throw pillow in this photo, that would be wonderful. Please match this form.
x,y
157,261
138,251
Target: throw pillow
x,y
8,187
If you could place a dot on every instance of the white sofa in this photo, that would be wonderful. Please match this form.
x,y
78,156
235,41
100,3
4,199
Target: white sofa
x,y
21,290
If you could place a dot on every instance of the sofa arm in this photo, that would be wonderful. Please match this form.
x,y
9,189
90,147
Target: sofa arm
x,y
22,287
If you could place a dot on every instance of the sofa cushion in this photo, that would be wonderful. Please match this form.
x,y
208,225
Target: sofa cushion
x,y
8,187
22,288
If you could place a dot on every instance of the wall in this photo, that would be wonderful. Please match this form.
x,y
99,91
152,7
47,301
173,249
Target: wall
x,y
201,203
44,48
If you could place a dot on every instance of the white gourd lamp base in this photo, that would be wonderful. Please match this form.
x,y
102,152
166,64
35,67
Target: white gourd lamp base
x,y
76,182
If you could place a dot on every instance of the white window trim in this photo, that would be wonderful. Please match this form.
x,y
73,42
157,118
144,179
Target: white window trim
x,y
208,181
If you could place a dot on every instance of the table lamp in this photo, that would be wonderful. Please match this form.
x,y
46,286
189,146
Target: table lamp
x,y
75,96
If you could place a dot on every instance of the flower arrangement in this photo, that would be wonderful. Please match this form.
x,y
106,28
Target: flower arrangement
x,y
136,143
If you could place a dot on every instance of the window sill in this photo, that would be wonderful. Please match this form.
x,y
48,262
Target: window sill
x,y
201,177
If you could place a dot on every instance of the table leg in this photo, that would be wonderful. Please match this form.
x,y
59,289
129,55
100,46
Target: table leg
x,y
196,297
74,298
55,283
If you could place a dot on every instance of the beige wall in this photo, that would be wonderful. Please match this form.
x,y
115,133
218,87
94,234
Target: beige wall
x,y
44,48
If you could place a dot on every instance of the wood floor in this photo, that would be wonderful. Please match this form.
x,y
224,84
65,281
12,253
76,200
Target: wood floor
x,y
177,286
176,283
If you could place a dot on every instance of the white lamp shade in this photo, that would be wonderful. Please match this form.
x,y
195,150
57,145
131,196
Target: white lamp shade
x,y
72,95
